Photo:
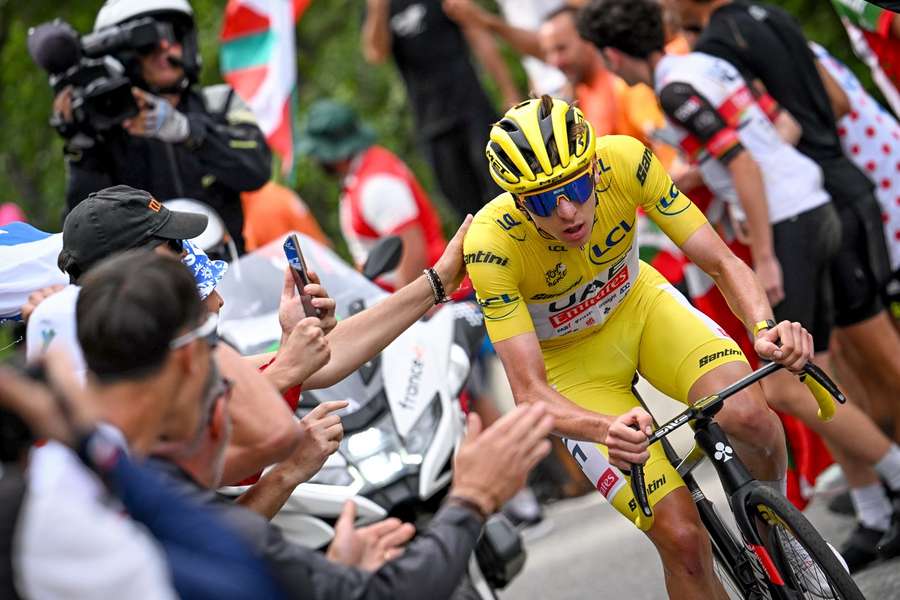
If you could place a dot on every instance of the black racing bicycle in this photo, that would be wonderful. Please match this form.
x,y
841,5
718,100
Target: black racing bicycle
x,y
779,555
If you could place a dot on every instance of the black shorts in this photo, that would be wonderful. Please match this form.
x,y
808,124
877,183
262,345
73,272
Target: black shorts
x,y
805,246
861,268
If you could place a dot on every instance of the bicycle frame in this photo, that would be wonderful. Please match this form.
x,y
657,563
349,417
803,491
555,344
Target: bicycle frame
x,y
701,414
736,480
732,552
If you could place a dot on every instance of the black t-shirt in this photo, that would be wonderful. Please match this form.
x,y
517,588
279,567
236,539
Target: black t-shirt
x,y
433,58
765,43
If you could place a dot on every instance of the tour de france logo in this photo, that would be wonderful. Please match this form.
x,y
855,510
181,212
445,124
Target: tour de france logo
x,y
556,274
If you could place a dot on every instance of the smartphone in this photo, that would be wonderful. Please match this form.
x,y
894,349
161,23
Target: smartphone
x,y
299,272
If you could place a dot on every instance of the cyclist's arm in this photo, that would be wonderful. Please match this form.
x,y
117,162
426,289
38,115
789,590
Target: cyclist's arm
x,y
733,277
376,31
524,364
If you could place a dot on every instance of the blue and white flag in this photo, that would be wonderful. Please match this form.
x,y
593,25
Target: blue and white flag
x,y
27,263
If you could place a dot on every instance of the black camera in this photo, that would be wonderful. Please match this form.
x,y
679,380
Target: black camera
x,y
101,89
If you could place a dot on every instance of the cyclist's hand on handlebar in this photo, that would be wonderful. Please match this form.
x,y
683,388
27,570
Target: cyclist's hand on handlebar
x,y
626,444
789,344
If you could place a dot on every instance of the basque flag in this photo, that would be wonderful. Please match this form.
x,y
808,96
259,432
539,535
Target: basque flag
x,y
258,60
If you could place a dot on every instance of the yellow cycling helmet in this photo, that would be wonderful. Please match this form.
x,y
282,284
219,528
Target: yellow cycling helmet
x,y
539,144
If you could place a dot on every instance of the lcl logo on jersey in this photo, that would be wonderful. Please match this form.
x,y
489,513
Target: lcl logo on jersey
x,y
508,223
598,254
666,204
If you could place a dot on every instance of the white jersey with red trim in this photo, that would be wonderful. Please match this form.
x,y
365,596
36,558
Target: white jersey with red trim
x,y
716,116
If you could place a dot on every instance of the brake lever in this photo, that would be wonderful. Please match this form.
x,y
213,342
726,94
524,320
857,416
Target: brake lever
x,y
638,485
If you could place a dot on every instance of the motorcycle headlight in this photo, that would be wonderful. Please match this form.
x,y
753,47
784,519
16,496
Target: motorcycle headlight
x,y
419,437
376,452
381,468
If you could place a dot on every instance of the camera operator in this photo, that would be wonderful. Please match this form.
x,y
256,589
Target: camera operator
x,y
185,142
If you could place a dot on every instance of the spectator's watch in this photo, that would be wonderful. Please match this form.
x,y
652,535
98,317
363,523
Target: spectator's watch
x,y
760,326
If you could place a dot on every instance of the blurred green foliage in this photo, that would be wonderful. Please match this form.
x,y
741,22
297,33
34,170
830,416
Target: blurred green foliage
x,y
329,63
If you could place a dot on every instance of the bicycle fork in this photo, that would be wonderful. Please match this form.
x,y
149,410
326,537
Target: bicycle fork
x,y
737,482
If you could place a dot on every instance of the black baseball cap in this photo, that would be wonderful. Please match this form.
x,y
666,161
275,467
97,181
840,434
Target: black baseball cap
x,y
119,218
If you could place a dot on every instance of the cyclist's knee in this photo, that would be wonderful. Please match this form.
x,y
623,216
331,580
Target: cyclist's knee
x,y
747,417
683,546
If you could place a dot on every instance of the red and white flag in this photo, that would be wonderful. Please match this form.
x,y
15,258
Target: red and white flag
x,y
258,60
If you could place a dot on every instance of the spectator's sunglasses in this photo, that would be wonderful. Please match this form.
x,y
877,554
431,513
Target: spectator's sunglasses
x,y
208,332
176,246
577,190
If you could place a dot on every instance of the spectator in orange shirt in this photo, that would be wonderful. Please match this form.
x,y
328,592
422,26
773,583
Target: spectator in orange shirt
x,y
610,104
274,210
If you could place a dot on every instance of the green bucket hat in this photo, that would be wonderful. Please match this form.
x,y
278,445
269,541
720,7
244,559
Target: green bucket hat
x,y
332,132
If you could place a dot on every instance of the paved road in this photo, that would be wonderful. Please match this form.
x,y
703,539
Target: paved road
x,y
592,552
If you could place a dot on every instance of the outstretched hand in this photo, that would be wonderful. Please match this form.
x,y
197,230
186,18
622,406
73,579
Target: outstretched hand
x,y
39,404
321,432
450,266
367,547
492,464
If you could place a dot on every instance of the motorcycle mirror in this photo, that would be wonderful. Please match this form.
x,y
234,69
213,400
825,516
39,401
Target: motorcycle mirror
x,y
384,257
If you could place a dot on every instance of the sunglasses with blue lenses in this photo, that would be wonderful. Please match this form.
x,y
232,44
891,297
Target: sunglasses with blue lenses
x,y
578,190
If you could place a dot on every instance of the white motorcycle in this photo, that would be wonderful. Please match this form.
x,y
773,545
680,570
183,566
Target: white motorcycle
x,y
404,419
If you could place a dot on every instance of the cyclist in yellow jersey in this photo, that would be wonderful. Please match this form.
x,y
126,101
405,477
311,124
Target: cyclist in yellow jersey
x,y
573,314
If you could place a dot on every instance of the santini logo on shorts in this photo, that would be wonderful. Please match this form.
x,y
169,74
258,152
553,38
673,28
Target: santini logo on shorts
x,y
710,358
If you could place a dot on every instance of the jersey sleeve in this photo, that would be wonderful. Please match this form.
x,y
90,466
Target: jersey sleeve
x,y
494,266
654,191
684,105
387,204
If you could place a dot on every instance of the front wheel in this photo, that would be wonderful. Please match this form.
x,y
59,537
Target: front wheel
x,y
805,564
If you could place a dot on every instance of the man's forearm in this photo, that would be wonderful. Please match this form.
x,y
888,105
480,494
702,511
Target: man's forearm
x,y
268,495
523,41
376,33
357,339
751,192
485,48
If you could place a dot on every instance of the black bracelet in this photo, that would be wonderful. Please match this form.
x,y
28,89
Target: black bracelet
x,y
437,287
469,504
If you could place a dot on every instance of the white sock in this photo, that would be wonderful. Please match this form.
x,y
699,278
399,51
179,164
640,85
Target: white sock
x,y
889,467
873,509
779,485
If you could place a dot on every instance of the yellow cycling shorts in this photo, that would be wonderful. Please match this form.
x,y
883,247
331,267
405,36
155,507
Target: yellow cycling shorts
x,y
657,333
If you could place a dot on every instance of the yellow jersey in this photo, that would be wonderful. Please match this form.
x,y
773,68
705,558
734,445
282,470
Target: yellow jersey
x,y
526,280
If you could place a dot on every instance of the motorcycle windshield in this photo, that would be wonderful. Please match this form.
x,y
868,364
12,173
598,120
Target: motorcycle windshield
x,y
252,290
